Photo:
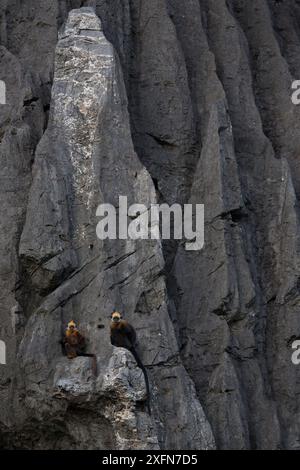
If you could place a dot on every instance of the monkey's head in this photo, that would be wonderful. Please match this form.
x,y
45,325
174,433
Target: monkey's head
x,y
116,317
72,326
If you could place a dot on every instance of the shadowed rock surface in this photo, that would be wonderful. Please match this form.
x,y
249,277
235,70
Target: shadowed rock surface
x,y
171,102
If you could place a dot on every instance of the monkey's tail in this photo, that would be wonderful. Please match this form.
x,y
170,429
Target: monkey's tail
x,y
141,366
94,361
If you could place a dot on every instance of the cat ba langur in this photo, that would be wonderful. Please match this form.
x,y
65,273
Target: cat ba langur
x,y
123,335
74,344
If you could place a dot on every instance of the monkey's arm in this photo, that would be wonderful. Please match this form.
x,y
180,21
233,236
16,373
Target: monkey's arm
x,y
113,339
81,340
81,343
130,333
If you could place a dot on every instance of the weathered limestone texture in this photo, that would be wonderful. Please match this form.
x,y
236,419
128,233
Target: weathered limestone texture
x,y
172,101
85,157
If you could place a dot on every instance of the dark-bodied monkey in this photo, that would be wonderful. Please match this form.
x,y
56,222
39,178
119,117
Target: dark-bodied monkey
x,y
74,344
123,335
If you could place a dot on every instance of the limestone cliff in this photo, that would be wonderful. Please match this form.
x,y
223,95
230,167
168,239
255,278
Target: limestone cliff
x,y
161,101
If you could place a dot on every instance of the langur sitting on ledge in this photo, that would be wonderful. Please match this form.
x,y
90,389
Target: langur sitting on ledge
x,y
74,345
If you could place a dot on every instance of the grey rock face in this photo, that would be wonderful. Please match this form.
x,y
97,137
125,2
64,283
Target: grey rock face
x,y
167,101
86,157
107,404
